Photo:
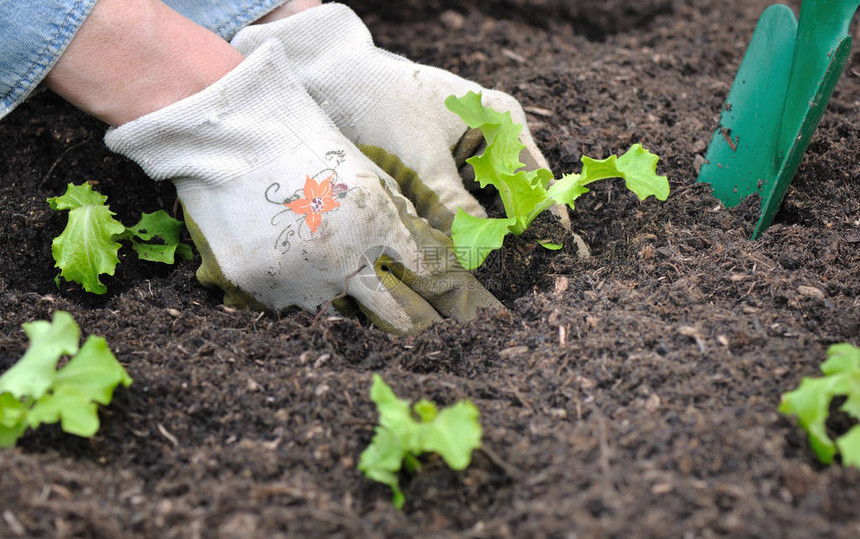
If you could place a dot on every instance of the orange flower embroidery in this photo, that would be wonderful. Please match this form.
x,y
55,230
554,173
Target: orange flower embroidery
x,y
318,200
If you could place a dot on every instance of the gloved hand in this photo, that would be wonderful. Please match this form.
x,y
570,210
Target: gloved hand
x,y
285,211
391,108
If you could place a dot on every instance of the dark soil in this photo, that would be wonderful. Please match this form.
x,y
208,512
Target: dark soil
x,y
633,394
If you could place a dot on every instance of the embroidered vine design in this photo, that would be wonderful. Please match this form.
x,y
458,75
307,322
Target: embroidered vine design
x,y
306,207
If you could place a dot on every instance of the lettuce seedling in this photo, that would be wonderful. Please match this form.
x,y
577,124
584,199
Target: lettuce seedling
x,y
525,194
810,402
33,391
404,433
88,246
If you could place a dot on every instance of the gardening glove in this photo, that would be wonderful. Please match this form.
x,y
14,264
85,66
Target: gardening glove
x,y
391,108
285,211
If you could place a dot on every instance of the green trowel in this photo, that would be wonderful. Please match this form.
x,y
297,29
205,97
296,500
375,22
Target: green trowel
x,y
777,99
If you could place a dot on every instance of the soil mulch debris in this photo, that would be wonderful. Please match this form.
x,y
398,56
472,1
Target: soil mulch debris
x,y
631,394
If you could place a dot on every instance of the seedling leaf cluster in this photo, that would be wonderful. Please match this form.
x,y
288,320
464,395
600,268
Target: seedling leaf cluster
x,y
526,194
88,246
33,391
810,402
405,432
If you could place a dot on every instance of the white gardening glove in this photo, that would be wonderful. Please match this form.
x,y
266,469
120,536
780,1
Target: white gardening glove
x,y
391,108
285,211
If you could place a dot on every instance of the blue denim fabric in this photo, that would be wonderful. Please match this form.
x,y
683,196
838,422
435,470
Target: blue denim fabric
x,y
34,33
224,17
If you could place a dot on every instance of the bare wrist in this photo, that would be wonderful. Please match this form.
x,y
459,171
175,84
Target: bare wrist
x,y
133,57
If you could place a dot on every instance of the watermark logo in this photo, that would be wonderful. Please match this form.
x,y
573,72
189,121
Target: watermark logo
x,y
432,269
367,277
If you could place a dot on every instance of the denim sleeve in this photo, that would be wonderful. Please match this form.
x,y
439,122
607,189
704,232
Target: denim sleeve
x,y
34,33
225,17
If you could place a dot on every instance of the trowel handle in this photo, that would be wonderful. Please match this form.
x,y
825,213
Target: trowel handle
x,y
823,25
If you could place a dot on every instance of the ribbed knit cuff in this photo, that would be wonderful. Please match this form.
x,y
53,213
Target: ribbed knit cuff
x,y
250,116
329,49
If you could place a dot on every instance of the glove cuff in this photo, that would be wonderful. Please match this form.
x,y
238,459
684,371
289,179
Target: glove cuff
x,y
250,116
329,48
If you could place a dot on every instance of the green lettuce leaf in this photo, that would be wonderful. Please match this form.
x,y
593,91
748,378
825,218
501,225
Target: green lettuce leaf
x,y
638,168
550,245
13,419
33,374
156,238
477,237
810,402
33,391
453,433
525,194
87,379
86,248
568,188
849,447
500,164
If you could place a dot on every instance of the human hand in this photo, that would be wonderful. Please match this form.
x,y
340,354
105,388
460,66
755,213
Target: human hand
x,y
391,108
285,211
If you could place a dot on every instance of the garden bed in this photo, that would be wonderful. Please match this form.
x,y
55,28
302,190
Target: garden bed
x,y
632,394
